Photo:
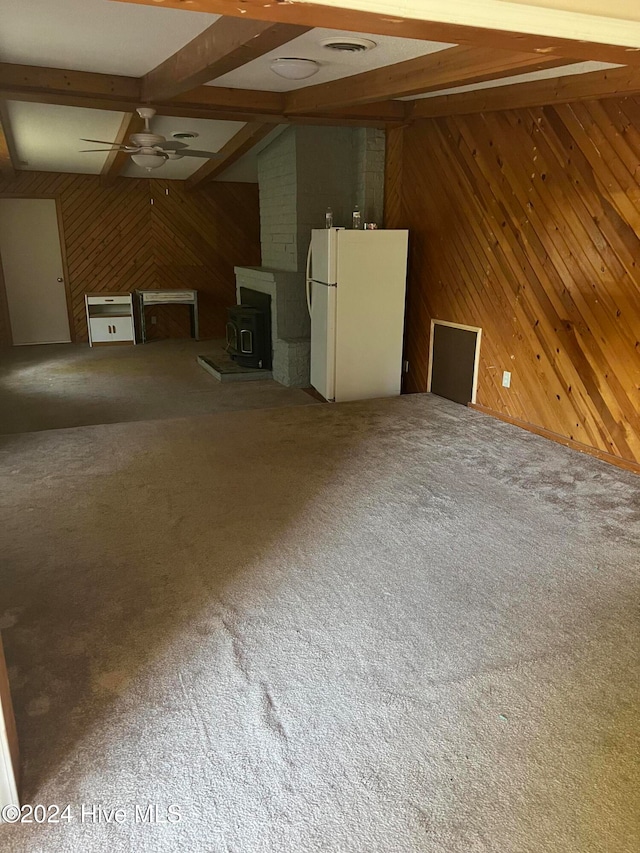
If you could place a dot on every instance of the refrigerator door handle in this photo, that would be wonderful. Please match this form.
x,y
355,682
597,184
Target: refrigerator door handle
x,y
309,280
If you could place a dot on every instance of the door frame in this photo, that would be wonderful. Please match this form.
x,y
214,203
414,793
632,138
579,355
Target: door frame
x,y
4,305
9,750
476,358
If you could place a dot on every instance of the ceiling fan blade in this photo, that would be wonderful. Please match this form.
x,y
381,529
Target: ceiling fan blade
x,y
172,146
92,150
209,155
101,142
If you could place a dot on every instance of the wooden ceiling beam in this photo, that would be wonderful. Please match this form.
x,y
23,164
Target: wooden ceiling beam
x,y
106,88
206,109
611,83
110,92
243,141
8,160
456,66
226,45
377,115
220,98
397,18
270,106
62,79
116,160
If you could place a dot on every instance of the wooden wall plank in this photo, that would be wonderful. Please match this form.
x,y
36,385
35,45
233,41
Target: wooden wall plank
x,y
117,240
527,223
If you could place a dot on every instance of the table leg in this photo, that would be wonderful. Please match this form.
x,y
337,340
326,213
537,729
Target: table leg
x,y
195,326
143,324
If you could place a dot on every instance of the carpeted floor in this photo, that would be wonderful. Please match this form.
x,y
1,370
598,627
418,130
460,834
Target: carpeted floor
x,y
67,385
387,626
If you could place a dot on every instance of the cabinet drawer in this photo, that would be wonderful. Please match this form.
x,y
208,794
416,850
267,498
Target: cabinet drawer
x,y
175,296
125,299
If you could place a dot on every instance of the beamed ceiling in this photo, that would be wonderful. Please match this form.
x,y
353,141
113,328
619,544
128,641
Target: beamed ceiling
x,y
79,68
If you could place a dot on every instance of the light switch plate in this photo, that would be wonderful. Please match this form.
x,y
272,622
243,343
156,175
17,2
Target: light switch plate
x,y
506,379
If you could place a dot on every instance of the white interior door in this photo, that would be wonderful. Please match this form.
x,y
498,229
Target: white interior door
x,y
33,273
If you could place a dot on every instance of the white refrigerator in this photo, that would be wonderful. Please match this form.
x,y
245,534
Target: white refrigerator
x,y
356,282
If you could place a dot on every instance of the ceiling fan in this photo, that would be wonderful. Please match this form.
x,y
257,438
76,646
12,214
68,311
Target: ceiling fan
x,y
150,150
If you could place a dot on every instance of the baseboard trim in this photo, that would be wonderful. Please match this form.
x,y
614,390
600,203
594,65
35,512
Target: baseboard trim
x,y
626,464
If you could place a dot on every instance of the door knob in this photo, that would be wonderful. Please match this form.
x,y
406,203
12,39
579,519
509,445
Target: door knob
x,y
60,279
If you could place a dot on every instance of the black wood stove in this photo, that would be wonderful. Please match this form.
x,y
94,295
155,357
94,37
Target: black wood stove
x,y
249,330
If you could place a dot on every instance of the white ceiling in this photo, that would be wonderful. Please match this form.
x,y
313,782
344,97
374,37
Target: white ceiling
x,y
47,136
334,65
94,35
547,74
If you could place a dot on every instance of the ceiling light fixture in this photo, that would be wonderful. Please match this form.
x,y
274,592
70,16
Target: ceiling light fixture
x,y
149,161
294,68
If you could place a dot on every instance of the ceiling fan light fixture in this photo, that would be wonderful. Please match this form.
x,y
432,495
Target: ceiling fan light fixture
x,y
149,161
294,68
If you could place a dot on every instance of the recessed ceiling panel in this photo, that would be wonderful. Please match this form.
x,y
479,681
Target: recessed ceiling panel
x,y
547,74
333,64
48,137
94,35
212,135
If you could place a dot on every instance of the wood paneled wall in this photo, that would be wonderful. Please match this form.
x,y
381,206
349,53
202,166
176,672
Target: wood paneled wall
x,y
527,224
150,234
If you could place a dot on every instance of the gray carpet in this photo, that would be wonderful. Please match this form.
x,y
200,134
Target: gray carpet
x,y
386,626
66,385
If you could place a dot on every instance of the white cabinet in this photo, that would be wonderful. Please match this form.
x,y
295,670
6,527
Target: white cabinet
x,y
99,330
122,329
110,318
106,329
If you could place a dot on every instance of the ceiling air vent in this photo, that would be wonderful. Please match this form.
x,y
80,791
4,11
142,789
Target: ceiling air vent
x,y
348,45
184,134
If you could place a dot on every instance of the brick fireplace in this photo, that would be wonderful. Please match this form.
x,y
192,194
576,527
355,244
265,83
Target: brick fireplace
x,y
290,327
